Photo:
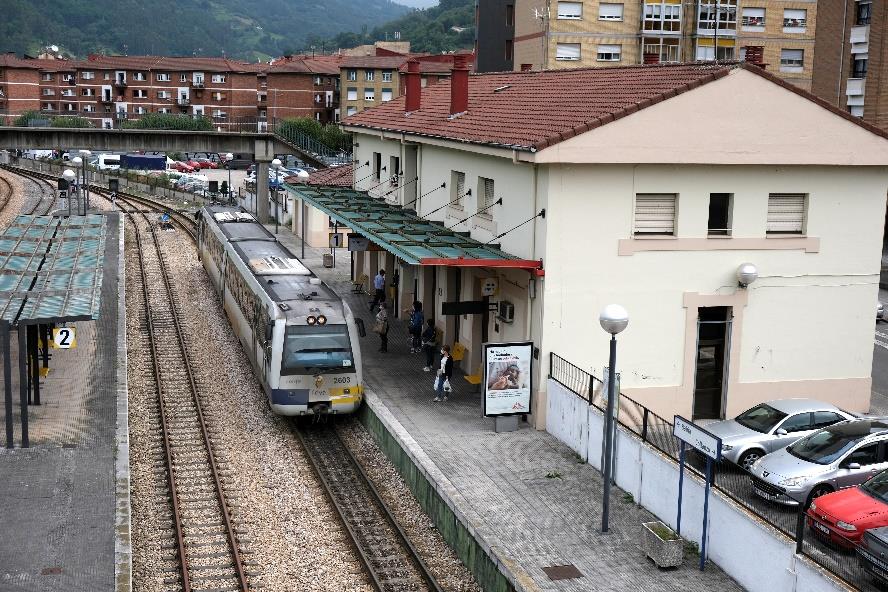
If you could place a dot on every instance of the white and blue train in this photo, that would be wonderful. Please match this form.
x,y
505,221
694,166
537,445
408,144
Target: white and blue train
x,y
300,337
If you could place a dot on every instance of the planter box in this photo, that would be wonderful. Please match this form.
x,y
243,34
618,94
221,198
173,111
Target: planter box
x,y
664,552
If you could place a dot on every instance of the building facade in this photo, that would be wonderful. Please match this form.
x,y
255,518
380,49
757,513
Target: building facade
x,y
495,35
609,190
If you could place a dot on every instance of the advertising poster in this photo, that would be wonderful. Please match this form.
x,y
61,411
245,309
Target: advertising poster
x,y
507,378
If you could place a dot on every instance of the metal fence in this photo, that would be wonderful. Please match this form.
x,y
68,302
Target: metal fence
x,y
835,554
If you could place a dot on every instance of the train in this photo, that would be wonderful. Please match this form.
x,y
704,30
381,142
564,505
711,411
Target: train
x,y
300,337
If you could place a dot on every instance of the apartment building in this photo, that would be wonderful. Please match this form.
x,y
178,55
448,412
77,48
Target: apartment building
x,y
551,34
108,88
495,35
19,84
574,189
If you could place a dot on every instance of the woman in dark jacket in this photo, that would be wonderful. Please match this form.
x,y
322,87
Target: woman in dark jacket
x,y
445,372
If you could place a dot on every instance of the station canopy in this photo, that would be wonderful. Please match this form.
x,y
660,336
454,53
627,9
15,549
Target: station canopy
x,y
51,268
401,232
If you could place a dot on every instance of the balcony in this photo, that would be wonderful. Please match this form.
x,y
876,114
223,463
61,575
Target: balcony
x,y
183,102
855,87
199,83
859,34
262,98
120,83
106,99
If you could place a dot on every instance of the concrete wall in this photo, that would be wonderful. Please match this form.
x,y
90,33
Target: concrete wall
x,y
764,561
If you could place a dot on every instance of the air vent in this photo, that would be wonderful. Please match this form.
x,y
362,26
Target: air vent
x,y
502,88
278,266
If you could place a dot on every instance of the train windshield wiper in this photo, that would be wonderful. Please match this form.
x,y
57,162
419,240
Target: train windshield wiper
x,y
322,350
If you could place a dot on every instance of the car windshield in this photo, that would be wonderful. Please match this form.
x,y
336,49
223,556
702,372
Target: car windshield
x,y
761,418
313,349
877,487
824,447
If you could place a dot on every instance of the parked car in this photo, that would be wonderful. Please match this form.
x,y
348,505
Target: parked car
x,y
206,163
183,167
843,516
872,553
843,455
193,164
772,425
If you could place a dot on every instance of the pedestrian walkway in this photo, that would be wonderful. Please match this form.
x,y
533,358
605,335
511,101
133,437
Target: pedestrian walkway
x,y
61,525
525,494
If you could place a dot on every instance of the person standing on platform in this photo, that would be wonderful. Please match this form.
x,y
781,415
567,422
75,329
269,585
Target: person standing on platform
x,y
382,327
429,343
379,287
415,327
445,372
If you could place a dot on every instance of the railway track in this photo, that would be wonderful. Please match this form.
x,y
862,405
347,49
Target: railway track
x,y
391,560
5,193
48,195
203,537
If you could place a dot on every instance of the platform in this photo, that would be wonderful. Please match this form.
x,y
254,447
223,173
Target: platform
x,y
511,503
64,502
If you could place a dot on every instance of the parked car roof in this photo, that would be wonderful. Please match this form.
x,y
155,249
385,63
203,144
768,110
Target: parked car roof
x,y
790,406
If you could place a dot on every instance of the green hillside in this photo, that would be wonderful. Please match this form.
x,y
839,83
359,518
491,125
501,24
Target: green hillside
x,y
245,29
430,30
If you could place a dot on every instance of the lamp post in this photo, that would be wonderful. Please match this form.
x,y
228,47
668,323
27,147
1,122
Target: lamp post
x,y
228,158
78,163
276,164
69,176
613,319
85,154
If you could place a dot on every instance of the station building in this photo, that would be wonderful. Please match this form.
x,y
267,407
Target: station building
x,y
629,185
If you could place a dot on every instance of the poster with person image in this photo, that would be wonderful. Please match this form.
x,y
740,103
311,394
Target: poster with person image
x,y
507,378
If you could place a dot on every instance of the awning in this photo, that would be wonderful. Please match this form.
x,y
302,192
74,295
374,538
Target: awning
x,y
401,232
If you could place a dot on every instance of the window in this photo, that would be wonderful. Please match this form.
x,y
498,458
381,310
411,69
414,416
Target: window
x,y
369,94
68,92
753,19
47,107
163,94
89,108
218,78
386,95
368,75
140,94
609,53
423,82
719,15
67,78
350,111
800,422
352,75
610,12
162,77
217,113
864,13
792,60
662,17
48,92
106,76
198,78
486,191
89,92
394,170
183,78
140,110
655,213
705,53
218,96
351,94
510,15
570,10
70,107
567,52
824,419
386,75
317,81
794,20
139,76
377,165
458,188
510,50
47,77
164,110
865,455
719,214
858,67
786,213
87,75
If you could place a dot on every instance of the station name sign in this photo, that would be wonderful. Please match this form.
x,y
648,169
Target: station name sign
x,y
692,434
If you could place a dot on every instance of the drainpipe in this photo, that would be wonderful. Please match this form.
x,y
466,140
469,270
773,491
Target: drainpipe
x,y
842,57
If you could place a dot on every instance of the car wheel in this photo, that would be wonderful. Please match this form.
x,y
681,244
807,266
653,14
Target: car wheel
x,y
749,457
818,490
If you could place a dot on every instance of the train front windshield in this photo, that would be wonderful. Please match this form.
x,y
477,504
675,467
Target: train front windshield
x,y
317,349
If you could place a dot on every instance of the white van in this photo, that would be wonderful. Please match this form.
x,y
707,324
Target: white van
x,y
37,154
108,162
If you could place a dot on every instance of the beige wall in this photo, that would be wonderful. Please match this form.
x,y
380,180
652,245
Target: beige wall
x,y
805,327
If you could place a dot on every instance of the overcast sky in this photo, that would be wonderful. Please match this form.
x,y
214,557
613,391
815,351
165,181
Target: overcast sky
x,y
418,3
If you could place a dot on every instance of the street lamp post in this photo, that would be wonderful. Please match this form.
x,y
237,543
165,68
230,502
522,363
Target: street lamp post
x,y
276,164
85,154
69,176
613,319
228,158
78,163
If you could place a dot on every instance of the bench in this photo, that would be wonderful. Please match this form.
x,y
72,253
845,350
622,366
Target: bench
x,y
475,379
358,284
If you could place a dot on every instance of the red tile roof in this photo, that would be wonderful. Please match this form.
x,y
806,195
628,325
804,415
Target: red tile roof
x,y
172,63
306,64
532,110
341,176
10,60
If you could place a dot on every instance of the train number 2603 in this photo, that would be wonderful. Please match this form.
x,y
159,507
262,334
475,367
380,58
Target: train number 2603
x,y
342,380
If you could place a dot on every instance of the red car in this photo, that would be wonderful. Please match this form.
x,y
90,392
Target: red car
x,y
843,516
206,163
183,167
194,164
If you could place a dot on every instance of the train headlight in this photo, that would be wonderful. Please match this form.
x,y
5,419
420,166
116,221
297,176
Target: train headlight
x,y
322,320
311,320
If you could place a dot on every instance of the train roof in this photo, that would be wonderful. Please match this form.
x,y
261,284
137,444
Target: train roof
x,y
280,273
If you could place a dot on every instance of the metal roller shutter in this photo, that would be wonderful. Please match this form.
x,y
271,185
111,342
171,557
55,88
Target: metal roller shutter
x,y
786,213
655,213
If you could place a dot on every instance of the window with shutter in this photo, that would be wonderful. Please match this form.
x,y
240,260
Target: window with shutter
x,y
458,184
570,10
608,11
786,213
486,189
567,52
655,213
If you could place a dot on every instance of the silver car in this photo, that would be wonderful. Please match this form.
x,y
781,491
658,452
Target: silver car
x,y
772,425
842,455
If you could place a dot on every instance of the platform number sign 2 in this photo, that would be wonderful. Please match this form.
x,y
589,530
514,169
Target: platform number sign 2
x,y
63,338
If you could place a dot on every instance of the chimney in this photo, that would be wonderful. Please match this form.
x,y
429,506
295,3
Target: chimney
x,y
414,86
459,86
652,58
755,54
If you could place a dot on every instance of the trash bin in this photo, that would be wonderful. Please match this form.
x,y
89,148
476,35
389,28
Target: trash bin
x,y
328,260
